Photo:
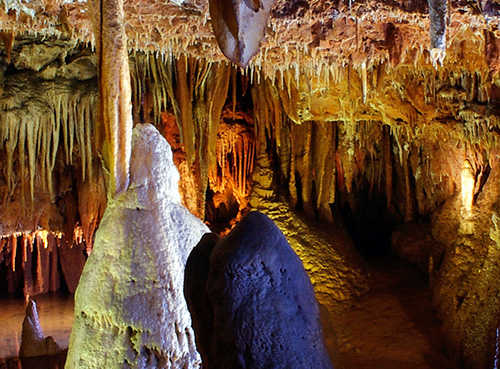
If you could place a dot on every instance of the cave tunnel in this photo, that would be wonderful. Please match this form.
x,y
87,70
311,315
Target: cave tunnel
x,y
369,137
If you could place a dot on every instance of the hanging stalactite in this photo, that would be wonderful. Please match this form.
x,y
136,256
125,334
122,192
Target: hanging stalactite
x,y
37,261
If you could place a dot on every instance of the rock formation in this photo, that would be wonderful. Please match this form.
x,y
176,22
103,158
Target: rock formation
x,y
239,27
129,306
252,302
33,342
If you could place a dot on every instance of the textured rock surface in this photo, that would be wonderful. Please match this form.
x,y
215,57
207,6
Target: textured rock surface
x,y
413,242
33,342
239,27
335,267
258,307
129,306
464,273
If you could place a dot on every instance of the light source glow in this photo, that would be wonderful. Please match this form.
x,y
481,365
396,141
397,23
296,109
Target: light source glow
x,y
468,185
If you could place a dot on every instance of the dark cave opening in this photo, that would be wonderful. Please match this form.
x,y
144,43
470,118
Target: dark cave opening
x,y
369,222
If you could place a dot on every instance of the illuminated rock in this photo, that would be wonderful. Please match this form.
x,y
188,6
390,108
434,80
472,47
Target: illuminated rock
x,y
239,27
129,306
252,302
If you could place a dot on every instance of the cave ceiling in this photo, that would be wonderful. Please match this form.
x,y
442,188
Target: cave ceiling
x,y
299,34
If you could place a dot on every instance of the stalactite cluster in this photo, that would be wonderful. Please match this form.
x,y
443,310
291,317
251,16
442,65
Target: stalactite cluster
x,y
235,157
34,131
388,146
230,180
50,178
195,91
37,262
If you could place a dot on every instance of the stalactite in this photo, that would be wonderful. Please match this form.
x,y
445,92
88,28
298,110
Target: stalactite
x,y
20,248
348,150
387,160
305,170
363,81
114,128
233,89
409,195
324,168
22,162
184,96
210,91
437,13
13,250
31,132
8,42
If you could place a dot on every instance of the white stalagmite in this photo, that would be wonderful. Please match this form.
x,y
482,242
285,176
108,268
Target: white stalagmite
x,y
129,306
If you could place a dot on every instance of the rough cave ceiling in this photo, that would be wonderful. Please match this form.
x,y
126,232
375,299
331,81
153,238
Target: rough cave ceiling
x,y
299,33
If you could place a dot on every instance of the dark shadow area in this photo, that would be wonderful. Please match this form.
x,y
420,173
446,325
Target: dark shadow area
x,y
36,362
369,222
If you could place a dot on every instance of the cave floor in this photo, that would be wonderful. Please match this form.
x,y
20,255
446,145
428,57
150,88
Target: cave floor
x,y
393,325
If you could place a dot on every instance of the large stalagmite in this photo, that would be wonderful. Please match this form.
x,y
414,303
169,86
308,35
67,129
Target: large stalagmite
x,y
129,306
252,303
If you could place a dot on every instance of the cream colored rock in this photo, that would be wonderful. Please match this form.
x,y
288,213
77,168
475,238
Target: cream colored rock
x,y
129,306
239,27
37,56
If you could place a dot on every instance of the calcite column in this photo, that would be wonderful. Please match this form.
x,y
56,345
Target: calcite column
x,y
113,130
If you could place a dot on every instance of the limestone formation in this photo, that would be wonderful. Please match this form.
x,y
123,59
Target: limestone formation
x,y
239,27
129,306
252,302
33,341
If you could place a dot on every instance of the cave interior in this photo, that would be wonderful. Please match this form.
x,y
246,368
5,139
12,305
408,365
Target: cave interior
x,y
368,131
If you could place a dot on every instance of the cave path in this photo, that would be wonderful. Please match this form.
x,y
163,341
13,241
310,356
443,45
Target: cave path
x,y
394,325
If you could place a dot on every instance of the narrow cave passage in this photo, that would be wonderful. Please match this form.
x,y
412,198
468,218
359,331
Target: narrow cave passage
x,y
369,223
